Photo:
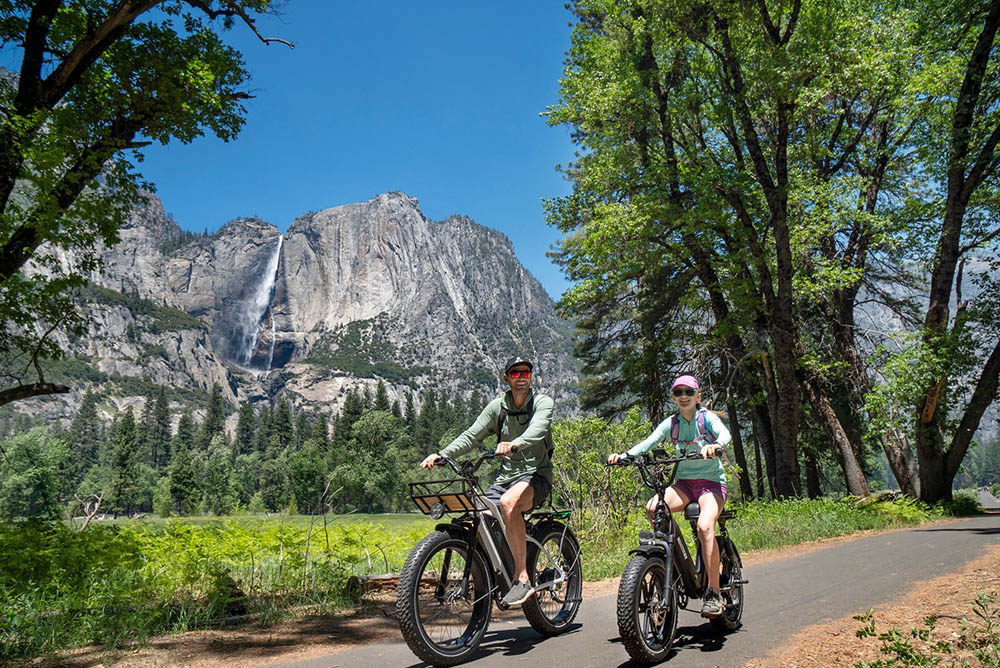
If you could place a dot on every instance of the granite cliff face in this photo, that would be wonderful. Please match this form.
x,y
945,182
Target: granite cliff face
x,y
348,296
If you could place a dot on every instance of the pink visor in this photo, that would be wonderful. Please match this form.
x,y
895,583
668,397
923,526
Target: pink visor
x,y
686,381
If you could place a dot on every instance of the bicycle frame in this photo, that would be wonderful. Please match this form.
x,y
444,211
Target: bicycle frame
x,y
666,540
476,530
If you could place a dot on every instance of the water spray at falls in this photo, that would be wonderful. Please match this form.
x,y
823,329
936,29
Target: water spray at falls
x,y
257,307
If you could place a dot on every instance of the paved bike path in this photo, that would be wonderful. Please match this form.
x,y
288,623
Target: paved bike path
x,y
783,596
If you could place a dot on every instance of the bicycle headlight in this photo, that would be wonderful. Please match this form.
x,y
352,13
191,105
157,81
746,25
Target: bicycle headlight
x,y
437,511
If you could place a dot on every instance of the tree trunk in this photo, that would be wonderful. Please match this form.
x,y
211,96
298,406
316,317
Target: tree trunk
x,y
758,465
741,459
965,173
854,477
761,418
812,476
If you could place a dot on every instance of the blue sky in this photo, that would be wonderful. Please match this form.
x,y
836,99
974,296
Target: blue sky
x,y
440,100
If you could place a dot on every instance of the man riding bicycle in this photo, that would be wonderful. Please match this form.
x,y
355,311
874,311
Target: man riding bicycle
x,y
522,422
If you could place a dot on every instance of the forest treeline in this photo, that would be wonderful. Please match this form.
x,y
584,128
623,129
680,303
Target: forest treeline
x,y
166,461
278,459
799,196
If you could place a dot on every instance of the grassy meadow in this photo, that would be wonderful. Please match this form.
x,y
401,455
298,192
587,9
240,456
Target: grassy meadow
x,y
121,581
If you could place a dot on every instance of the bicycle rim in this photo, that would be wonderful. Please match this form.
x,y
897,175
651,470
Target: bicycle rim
x,y
449,619
558,561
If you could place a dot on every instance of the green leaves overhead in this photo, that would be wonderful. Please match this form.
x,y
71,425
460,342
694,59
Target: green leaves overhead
x,y
97,82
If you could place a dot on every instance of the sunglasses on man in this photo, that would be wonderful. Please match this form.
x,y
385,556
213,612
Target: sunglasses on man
x,y
520,374
684,391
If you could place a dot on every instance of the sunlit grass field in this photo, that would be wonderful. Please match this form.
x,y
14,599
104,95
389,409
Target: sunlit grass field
x,y
120,581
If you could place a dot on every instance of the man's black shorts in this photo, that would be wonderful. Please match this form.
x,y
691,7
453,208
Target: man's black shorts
x,y
539,483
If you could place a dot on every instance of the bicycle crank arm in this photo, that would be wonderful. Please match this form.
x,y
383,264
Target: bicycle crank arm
x,y
547,585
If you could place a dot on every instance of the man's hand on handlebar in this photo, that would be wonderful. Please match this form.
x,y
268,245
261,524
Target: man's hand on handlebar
x,y
506,449
614,458
431,460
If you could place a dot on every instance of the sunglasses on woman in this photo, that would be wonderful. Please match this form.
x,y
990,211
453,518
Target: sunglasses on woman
x,y
684,391
520,374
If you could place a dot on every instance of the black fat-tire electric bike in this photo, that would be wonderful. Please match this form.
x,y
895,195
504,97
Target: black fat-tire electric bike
x,y
648,600
453,576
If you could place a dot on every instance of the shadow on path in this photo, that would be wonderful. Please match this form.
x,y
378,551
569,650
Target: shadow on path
x,y
982,531
508,642
701,637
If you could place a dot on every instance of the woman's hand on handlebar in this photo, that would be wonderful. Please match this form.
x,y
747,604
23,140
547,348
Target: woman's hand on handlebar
x,y
615,458
431,461
709,450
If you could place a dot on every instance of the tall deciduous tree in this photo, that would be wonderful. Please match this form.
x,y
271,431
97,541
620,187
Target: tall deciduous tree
x,y
97,81
969,174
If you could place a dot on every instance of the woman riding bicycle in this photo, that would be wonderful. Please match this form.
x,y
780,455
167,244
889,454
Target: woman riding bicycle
x,y
702,481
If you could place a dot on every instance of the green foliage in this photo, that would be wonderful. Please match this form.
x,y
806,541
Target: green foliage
x,y
359,349
586,485
901,648
152,318
94,86
963,503
116,585
70,369
34,476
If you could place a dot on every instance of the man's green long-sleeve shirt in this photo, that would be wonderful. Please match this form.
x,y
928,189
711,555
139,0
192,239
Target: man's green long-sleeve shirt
x,y
532,436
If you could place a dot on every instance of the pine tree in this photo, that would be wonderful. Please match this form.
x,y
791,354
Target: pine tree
x,y
303,429
220,480
264,428
352,411
85,434
215,418
145,426
281,426
321,431
158,437
186,430
428,423
125,465
396,412
185,492
246,429
381,397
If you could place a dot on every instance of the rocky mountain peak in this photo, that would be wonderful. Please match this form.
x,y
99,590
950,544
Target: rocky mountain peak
x,y
348,296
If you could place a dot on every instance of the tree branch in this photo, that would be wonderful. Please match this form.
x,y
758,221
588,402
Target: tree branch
x,y
33,390
30,235
233,9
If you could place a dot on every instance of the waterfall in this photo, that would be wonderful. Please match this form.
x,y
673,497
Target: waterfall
x,y
258,307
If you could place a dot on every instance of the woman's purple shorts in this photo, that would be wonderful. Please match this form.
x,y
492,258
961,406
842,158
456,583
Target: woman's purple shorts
x,y
695,488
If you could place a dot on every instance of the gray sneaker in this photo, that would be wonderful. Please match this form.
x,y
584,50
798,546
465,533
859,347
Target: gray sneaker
x,y
712,604
518,594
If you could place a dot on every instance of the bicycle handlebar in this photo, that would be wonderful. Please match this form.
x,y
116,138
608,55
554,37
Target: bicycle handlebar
x,y
651,478
468,468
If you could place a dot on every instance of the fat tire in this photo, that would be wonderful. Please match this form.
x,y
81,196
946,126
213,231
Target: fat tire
x,y
732,572
407,596
630,618
570,556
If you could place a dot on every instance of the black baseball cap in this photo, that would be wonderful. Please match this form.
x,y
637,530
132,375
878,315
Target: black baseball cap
x,y
517,360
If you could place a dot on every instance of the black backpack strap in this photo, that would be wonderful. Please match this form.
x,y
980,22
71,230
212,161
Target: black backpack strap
x,y
529,410
500,420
